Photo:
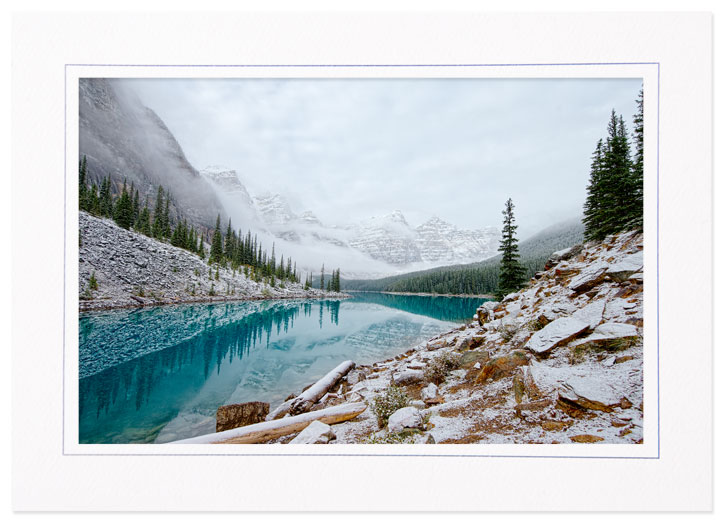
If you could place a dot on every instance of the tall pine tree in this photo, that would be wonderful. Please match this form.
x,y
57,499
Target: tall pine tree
x,y
217,249
511,276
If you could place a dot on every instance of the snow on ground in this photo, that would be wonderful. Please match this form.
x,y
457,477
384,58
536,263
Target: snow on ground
x,y
558,362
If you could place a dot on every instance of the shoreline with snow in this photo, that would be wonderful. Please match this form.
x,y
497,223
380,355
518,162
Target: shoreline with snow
x,y
135,271
560,361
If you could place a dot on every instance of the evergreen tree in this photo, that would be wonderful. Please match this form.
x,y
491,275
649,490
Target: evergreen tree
x,y
105,198
217,251
94,202
636,183
82,189
158,226
615,193
143,224
322,277
511,276
229,242
165,221
593,213
123,210
136,205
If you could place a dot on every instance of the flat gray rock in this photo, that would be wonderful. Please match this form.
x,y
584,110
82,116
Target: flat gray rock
x,y
556,333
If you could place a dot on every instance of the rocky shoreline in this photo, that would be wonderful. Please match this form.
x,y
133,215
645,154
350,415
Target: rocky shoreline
x,y
132,270
560,361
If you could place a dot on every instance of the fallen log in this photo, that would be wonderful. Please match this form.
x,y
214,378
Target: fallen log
x,y
267,430
312,395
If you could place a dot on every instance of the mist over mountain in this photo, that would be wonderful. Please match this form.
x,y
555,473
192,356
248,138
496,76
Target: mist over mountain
x,y
123,138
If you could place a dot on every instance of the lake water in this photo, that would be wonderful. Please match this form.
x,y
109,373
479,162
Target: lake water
x,y
159,374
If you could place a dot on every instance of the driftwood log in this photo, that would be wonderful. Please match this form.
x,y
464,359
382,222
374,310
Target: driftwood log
x,y
266,430
312,395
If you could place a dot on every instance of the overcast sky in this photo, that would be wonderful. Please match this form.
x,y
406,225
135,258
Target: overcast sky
x,y
350,149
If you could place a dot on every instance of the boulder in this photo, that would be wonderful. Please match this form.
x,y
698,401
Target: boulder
x,y
316,432
561,255
406,417
588,278
429,392
592,313
485,312
555,310
469,359
586,438
610,336
625,268
556,333
240,415
590,393
355,377
408,377
501,366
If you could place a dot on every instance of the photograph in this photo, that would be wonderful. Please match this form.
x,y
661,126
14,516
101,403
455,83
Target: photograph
x,y
360,261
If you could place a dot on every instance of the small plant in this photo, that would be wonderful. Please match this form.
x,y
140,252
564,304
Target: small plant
x,y
392,438
210,273
385,404
535,324
196,272
92,282
266,292
216,274
139,291
86,294
211,290
174,269
438,368
508,331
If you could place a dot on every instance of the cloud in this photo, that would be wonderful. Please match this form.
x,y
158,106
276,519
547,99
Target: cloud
x,y
352,148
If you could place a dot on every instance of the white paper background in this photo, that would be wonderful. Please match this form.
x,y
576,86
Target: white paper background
x,y
45,478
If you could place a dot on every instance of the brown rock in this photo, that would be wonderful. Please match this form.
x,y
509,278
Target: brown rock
x,y
616,422
240,415
501,366
623,359
551,426
469,359
519,388
585,438
625,403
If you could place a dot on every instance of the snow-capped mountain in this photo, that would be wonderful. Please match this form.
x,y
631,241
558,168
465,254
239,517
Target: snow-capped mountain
x,y
389,238
441,242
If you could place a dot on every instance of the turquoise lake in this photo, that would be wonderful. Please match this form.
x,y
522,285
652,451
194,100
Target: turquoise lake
x,y
155,375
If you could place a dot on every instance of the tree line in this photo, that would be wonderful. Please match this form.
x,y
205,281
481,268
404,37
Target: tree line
x,y
615,193
231,249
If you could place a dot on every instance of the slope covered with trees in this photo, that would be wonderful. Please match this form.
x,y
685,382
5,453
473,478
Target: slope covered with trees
x,y
481,277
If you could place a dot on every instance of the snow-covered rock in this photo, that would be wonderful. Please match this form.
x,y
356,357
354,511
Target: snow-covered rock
x,y
589,277
315,433
429,392
407,376
592,313
406,417
557,332
624,269
608,332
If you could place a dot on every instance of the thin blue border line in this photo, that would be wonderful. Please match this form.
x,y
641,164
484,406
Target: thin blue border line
x,y
65,170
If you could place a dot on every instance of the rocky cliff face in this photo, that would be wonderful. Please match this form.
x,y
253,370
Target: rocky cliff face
x,y
560,361
121,137
134,270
